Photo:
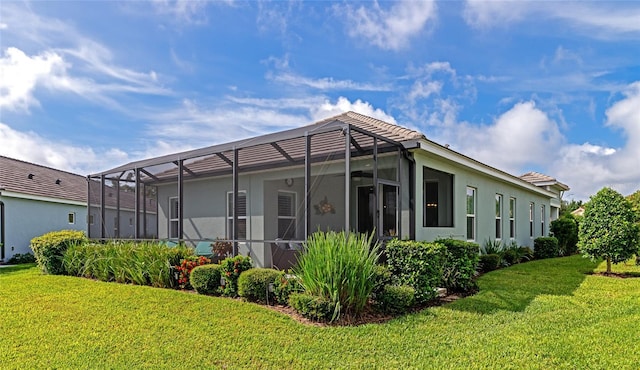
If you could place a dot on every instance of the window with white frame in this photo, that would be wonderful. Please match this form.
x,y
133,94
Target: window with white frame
x,y
512,218
173,218
286,215
71,217
471,213
498,216
242,215
531,207
542,216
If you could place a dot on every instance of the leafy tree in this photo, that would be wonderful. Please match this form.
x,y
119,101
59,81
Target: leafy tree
x,y
567,207
565,229
608,229
634,199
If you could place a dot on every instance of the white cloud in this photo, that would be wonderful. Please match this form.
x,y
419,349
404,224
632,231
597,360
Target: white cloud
x,y
388,29
326,83
595,19
31,147
188,11
329,109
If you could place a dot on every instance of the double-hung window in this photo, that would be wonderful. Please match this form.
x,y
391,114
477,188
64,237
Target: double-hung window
x,y
512,218
242,215
531,208
173,218
471,213
498,216
286,215
542,216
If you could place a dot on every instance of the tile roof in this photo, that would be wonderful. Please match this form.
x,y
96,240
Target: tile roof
x,y
537,178
33,179
376,126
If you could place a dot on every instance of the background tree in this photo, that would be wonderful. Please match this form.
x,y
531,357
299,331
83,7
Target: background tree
x,y
566,207
634,199
609,228
565,229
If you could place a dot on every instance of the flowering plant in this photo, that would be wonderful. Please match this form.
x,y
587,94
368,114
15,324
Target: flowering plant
x,y
185,268
230,269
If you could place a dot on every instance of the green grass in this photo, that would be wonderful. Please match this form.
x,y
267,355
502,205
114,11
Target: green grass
x,y
542,314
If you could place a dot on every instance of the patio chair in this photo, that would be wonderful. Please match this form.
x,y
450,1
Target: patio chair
x,y
203,248
284,254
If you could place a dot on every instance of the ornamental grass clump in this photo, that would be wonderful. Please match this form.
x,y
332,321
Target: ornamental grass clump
x,y
338,268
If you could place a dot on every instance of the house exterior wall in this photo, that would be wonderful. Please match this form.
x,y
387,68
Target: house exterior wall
x,y
126,224
486,189
25,219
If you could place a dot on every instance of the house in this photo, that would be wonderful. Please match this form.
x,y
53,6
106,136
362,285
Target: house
x,y
266,194
579,212
35,200
551,184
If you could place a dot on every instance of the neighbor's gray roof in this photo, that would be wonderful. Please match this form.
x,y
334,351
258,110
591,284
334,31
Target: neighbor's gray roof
x,y
540,179
15,177
257,149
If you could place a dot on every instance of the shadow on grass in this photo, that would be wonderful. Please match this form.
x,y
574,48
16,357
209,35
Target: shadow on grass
x,y
513,288
15,268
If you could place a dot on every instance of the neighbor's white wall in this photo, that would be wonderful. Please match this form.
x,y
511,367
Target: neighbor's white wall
x,y
25,219
486,189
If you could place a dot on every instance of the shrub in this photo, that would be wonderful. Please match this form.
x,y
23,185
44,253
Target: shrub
x,y
417,264
381,278
20,258
513,254
124,262
186,266
526,253
545,247
338,267
284,286
253,285
231,269
312,307
489,262
460,265
49,249
565,229
609,228
491,247
396,299
205,279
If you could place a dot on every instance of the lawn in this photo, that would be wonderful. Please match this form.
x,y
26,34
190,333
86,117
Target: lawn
x,y
542,314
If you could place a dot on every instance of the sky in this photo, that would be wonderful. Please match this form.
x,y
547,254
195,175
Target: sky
x,y
545,86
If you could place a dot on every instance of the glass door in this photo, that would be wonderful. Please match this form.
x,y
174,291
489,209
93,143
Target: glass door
x,y
388,208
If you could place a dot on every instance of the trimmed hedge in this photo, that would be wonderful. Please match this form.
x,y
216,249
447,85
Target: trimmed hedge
x,y
418,265
566,230
460,265
49,249
490,262
312,307
545,247
381,278
396,299
205,279
231,269
253,285
20,258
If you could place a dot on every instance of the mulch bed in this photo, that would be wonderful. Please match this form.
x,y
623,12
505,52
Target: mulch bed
x,y
617,275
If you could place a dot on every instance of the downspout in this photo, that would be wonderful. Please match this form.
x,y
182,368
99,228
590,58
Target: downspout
x,y
1,227
412,194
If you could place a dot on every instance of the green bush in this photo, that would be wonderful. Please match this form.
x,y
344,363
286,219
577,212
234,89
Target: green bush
x,y
124,262
312,307
338,267
49,249
545,247
253,285
284,286
396,299
417,264
490,262
565,229
460,265
205,279
526,253
20,258
231,269
381,277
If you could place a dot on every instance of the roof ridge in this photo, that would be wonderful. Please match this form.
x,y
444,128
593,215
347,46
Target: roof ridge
x,y
40,165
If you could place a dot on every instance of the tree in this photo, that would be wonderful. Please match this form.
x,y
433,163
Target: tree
x,y
634,199
565,229
608,229
568,207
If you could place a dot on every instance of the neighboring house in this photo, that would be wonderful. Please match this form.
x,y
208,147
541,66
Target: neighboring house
x,y
551,184
35,200
350,172
579,212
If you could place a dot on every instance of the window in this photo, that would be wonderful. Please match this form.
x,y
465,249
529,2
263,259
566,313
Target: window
x,y
512,217
471,213
531,206
286,215
173,218
71,218
90,219
242,215
542,216
498,216
438,198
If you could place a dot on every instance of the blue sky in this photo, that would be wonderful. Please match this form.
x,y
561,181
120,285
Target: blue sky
x,y
547,86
